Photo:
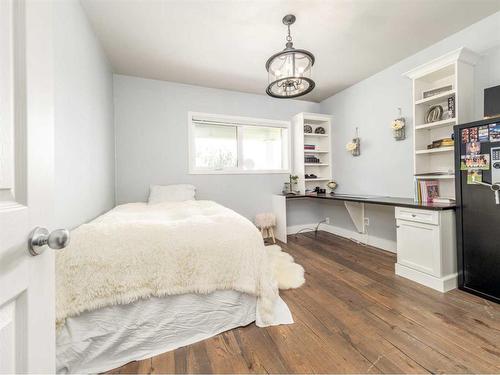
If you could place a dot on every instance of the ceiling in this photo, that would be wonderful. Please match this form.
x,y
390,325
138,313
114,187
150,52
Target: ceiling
x,y
225,43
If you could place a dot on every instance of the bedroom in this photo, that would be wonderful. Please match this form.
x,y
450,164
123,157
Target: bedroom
x,y
141,136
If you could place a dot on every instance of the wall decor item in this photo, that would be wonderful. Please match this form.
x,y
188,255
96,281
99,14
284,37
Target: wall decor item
x,y
308,129
434,113
320,130
437,91
399,127
354,147
289,71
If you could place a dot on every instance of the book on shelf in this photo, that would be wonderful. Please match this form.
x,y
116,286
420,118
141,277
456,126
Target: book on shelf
x,y
426,190
443,200
445,142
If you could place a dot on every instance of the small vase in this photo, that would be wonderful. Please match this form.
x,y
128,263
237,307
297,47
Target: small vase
x,y
399,134
357,150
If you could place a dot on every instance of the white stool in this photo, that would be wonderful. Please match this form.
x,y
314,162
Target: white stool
x,y
265,222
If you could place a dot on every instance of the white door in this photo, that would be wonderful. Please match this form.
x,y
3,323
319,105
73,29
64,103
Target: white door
x,y
27,328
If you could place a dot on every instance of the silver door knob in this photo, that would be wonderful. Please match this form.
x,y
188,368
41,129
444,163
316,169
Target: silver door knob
x,y
39,237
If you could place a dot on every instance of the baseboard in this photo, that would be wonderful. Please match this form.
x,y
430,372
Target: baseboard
x,y
363,238
441,284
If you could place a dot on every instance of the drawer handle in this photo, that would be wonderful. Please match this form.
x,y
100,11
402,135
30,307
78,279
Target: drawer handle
x,y
413,215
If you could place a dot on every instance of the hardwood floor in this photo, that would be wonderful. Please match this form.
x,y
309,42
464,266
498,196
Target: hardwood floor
x,y
353,315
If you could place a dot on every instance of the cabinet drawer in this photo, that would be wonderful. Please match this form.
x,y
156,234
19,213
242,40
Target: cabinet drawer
x,y
420,216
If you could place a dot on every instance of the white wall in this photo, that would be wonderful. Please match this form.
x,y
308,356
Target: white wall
x,y
84,144
152,144
385,166
151,137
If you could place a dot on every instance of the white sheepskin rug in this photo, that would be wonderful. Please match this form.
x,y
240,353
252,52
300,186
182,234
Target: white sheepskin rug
x,y
289,274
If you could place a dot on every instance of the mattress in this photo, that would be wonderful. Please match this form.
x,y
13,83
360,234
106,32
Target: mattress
x,y
103,339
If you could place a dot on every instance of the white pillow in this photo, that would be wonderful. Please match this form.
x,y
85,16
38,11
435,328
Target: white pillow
x,y
171,193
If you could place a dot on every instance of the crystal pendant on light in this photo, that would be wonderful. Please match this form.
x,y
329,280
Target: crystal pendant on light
x,y
289,71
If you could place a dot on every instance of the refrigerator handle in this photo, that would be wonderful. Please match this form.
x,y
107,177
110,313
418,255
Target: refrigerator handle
x,y
495,187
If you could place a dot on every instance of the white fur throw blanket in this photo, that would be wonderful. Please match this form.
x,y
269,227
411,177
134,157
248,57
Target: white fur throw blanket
x,y
138,250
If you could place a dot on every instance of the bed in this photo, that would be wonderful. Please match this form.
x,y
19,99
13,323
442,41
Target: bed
x,y
144,279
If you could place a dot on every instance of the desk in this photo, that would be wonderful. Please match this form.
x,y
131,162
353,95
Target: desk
x,y
386,201
425,232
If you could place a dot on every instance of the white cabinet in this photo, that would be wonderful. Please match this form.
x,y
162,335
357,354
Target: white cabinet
x,y
418,246
426,250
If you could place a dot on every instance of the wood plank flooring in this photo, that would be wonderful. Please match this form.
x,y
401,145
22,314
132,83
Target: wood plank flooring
x,y
353,315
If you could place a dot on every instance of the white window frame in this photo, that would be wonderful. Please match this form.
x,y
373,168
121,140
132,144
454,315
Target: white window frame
x,y
237,121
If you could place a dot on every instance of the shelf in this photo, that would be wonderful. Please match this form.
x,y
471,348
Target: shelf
x,y
435,150
436,177
453,73
436,98
316,179
316,160
437,124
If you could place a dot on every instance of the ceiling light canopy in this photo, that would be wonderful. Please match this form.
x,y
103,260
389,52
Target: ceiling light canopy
x,y
289,71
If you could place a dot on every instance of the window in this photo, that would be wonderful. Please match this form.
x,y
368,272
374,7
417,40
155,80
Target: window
x,y
228,144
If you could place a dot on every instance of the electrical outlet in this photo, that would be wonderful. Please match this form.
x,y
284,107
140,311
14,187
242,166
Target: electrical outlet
x,y
367,221
327,220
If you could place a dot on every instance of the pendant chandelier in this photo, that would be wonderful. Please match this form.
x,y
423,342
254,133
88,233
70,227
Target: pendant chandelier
x,y
289,71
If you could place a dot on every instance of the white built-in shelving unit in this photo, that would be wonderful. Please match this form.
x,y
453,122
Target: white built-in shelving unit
x,y
322,151
455,69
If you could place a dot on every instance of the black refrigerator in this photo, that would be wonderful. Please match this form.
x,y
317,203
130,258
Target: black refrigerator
x,y
477,172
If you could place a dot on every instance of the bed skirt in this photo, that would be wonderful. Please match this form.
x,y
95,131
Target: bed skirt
x,y
104,339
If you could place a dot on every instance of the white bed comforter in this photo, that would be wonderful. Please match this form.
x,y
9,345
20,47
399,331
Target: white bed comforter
x,y
138,251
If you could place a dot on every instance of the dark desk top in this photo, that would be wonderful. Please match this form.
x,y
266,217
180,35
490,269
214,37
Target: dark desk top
x,y
386,201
